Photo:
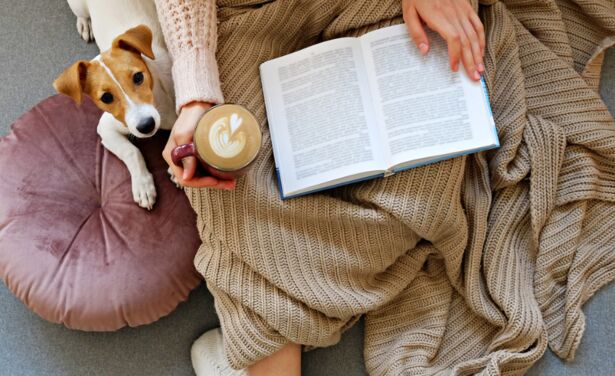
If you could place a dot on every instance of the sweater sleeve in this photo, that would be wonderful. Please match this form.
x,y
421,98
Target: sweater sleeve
x,y
190,31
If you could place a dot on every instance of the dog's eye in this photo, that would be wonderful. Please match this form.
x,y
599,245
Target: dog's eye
x,y
107,98
137,78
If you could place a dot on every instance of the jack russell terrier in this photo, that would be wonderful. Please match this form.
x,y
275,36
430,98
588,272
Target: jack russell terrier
x,y
134,90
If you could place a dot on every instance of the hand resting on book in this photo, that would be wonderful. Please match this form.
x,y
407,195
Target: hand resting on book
x,y
457,23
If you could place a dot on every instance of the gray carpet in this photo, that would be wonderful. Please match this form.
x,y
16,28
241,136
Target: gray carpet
x,y
37,40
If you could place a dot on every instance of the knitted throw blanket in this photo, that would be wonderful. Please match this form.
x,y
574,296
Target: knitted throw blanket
x,y
472,265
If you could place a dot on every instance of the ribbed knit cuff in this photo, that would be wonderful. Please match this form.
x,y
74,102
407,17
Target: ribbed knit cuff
x,y
196,78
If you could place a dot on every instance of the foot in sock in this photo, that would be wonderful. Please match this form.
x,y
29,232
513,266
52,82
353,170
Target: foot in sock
x,y
208,358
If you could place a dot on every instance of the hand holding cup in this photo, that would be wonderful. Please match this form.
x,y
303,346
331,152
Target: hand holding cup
x,y
226,141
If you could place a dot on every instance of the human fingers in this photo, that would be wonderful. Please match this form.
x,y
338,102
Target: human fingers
x,y
452,37
437,20
454,17
189,167
186,171
177,171
477,50
466,14
207,182
185,174
415,27
473,60
480,30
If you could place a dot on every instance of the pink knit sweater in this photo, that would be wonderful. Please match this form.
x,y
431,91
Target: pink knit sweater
x,y
190,32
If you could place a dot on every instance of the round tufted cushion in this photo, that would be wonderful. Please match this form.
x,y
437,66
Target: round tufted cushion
x,y
74,247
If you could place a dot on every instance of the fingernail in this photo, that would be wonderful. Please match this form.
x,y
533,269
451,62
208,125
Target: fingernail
x,y
423,47
481,67
476,76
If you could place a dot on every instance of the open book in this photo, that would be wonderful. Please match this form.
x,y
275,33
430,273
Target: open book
x,y
352,109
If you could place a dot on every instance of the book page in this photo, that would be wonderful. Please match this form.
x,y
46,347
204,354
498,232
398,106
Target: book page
x,y
320,116
425,109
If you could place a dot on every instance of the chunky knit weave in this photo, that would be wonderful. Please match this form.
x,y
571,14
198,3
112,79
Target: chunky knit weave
x,y
472,265
190,31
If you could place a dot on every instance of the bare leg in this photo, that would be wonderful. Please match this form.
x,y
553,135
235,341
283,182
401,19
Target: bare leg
x,y
286,362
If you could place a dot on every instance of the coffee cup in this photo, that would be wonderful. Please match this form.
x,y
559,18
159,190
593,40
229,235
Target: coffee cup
x,y
226,142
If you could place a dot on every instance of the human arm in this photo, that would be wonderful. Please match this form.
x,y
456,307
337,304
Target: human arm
x,y
190,32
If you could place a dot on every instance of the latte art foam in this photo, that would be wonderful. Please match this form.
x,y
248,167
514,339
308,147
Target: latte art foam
x,y
226,138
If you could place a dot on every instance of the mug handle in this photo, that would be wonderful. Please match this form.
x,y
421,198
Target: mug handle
x,y
182,151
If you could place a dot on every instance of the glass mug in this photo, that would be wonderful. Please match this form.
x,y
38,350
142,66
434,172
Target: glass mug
x,y
226,141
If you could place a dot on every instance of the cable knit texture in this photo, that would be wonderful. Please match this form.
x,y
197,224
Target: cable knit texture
x,y
468,266
190,31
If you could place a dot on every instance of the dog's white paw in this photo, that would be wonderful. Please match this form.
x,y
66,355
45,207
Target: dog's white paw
x,y
173,178
84,28
144,191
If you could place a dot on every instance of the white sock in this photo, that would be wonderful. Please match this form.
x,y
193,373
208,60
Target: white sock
x,y
208,358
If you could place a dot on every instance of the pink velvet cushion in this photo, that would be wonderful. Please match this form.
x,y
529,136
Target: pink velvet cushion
x,y
74,247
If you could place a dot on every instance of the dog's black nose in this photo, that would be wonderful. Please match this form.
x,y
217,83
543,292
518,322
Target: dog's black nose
x,y
146,125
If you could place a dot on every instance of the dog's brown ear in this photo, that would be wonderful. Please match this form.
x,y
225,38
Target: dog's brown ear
x,y
72,80
138,39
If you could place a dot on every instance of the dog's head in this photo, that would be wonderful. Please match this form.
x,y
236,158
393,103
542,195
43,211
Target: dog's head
x,y
118,81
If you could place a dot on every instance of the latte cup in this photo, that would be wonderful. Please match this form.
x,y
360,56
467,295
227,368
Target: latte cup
x,y
226,142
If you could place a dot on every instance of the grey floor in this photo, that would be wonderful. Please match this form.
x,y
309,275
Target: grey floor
x,y
37,40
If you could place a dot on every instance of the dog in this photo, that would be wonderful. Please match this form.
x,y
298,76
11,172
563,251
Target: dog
x,y
130,80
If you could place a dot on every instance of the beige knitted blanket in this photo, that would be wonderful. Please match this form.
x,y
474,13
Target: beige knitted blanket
x,y
472,265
